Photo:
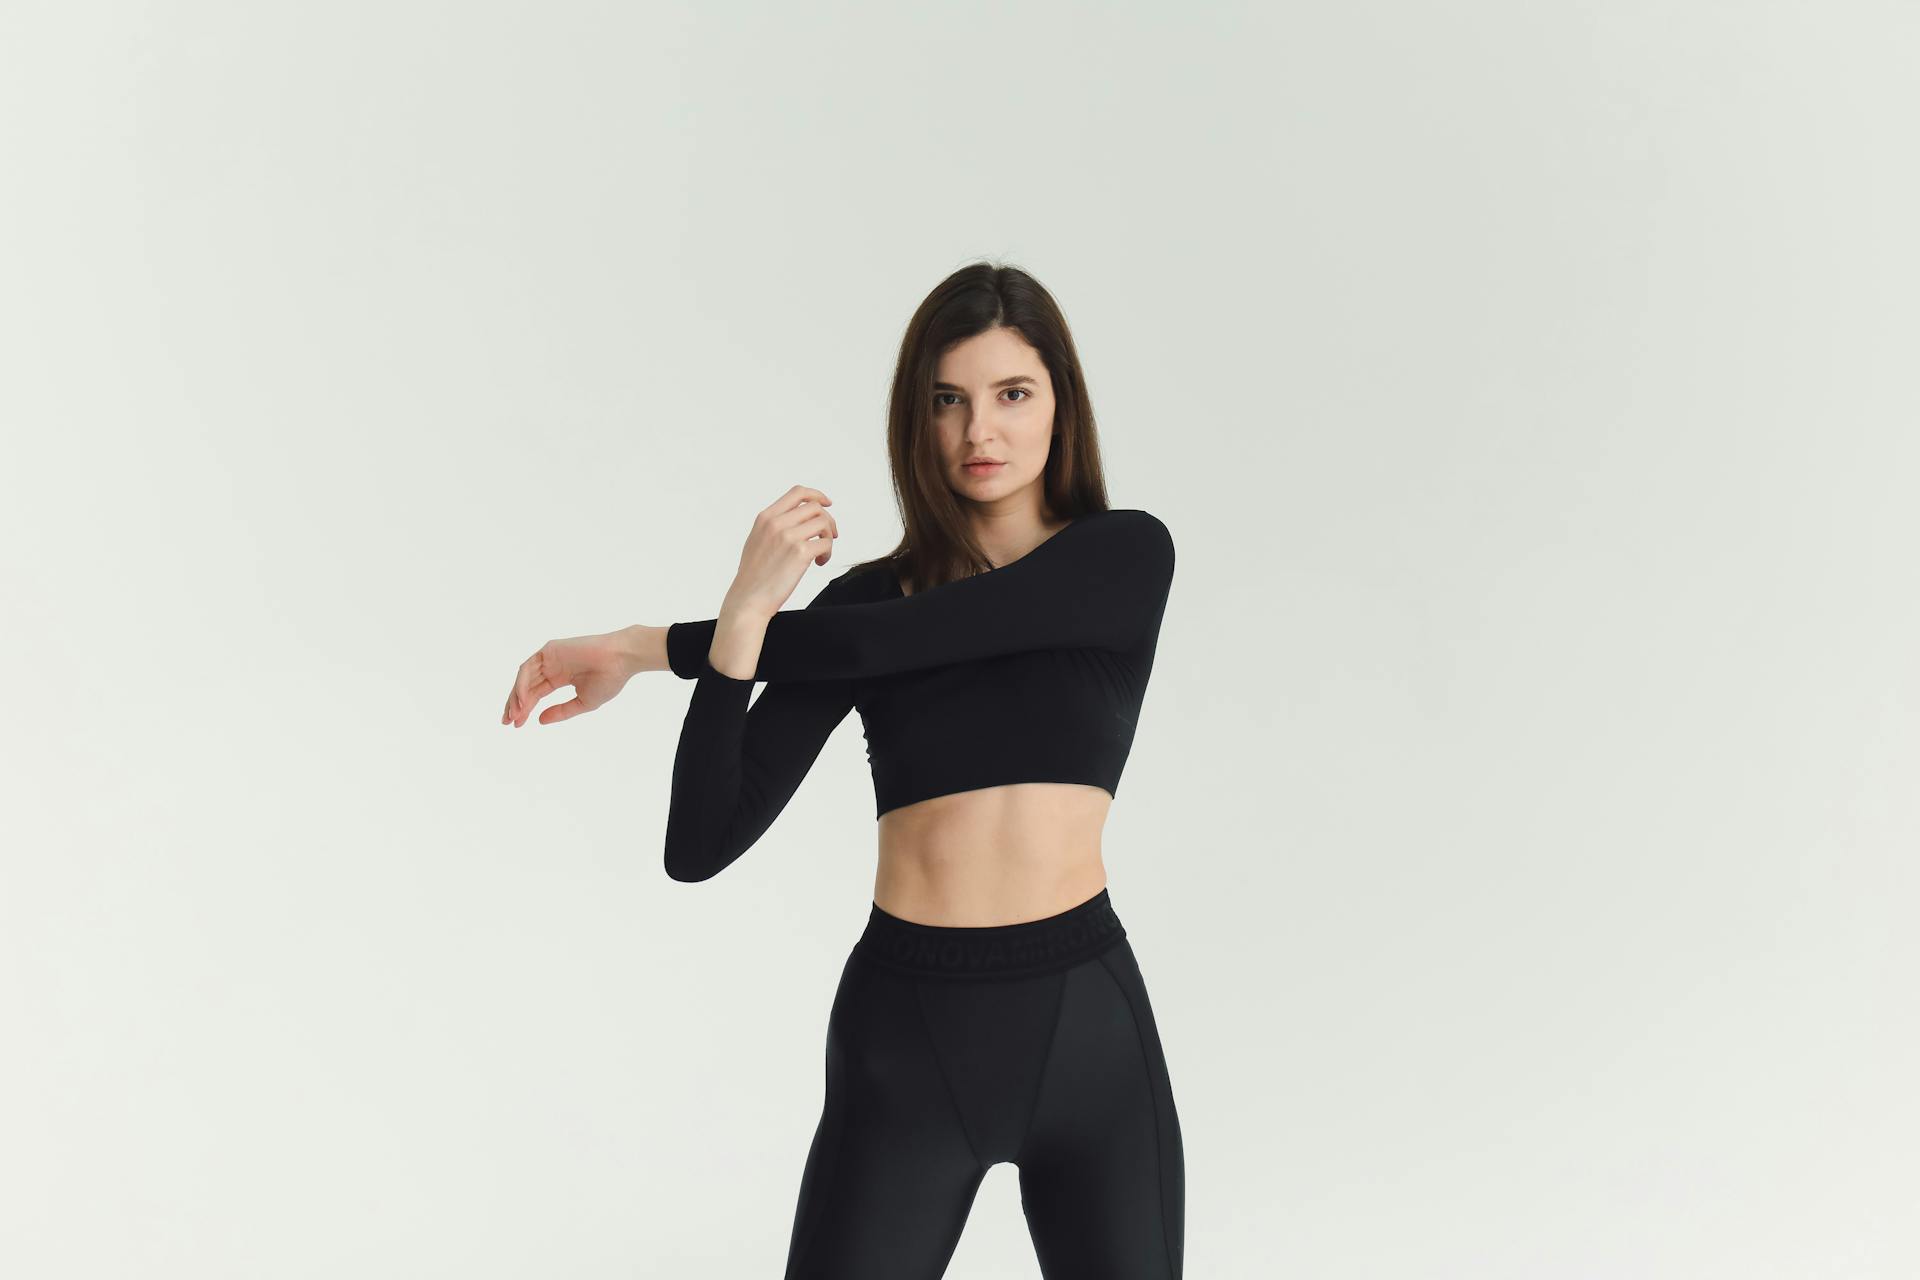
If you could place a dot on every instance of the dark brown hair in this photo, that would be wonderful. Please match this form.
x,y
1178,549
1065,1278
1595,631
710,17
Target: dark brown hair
x,y
936,541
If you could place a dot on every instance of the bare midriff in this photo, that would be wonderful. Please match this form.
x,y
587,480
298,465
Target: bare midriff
x,y
993,856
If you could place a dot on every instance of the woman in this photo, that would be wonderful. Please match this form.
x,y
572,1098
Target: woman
x,y
993,1009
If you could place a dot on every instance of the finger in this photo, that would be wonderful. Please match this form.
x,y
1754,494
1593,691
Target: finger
x,y
806,515
795,496
519,683
530,671
512,708
536,693
809,528
562,711
537,690
817,533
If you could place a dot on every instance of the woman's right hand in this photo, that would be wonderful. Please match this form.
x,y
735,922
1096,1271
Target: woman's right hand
x,y
796,529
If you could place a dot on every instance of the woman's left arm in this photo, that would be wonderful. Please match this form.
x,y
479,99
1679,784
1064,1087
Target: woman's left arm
x,y
1098,583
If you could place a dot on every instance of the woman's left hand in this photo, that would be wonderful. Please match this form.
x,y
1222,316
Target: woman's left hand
x,y
597,667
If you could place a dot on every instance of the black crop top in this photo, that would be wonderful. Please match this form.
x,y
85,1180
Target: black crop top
x,y
1034,671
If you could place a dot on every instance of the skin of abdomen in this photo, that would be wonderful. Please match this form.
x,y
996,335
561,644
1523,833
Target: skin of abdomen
x,y
996,855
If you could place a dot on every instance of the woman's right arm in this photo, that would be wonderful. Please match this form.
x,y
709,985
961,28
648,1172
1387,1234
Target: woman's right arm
x,y
737,765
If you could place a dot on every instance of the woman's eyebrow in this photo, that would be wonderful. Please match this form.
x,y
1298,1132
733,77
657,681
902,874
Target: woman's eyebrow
x,y
1004,382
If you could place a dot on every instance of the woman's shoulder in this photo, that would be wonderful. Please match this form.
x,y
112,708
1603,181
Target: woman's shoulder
x,y
1131,530
1133,519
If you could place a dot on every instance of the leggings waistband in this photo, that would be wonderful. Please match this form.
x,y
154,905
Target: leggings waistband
x,y
992,951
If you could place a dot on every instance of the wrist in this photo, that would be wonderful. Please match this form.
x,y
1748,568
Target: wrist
x,y
738,610
641,648
737,636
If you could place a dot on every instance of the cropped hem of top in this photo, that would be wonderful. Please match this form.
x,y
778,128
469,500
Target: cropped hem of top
x,y
1034,671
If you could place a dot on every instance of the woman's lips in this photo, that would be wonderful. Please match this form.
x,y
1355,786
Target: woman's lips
x,y
984,468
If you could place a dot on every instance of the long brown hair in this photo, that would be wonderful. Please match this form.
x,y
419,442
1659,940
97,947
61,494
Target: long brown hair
x,y
936,541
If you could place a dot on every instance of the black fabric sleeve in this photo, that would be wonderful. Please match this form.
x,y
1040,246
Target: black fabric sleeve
x,y
737,766
1095,584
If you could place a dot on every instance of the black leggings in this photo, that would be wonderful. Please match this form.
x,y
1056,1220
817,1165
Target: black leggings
x,y
952,1049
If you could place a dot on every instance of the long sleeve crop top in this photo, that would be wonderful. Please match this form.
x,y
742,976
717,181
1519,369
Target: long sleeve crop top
x,y
1034,671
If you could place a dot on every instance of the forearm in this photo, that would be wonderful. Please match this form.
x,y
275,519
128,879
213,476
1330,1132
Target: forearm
x,y
739,633
738,763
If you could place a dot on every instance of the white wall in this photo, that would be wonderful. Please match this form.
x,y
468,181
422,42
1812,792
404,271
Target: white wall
x,y
1519,842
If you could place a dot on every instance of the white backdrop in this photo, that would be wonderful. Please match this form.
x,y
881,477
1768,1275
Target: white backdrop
x,y
1519,841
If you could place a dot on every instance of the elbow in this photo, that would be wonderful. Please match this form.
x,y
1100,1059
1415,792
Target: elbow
x,y
688,874
690,866
700,850
689,858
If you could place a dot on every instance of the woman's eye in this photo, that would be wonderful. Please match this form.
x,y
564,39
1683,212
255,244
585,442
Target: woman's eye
x,y
938,395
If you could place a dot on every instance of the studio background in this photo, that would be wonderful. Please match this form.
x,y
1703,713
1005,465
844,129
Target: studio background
x,y
1519,840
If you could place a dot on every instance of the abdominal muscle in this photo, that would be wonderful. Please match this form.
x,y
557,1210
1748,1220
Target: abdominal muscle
x,y
993,856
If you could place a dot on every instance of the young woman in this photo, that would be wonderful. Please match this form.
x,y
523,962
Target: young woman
x,y
993,1009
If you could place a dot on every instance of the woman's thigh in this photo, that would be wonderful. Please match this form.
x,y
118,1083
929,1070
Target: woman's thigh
x,y
1102,1171
890,1177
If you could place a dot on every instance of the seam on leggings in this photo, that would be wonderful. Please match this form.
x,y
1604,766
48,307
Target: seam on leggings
x,y
1159,1157
1046,1060
933,1049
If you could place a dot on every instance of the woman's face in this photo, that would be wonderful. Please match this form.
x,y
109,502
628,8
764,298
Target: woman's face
x,y
992,398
